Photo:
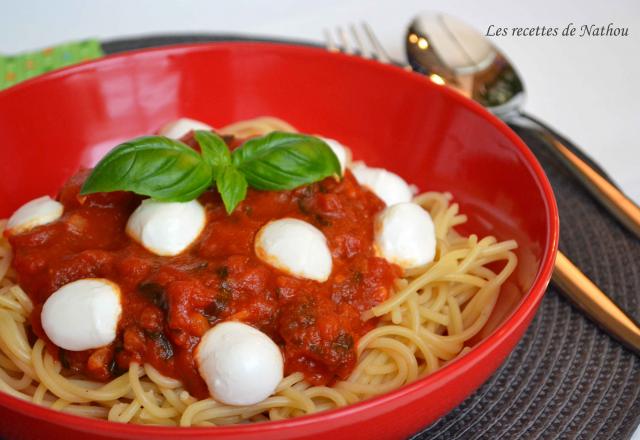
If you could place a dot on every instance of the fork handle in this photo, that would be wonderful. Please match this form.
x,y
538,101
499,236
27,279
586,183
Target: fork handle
x,y
595,303
618,204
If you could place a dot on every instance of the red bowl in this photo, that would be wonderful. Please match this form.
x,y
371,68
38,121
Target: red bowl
x,y
433,137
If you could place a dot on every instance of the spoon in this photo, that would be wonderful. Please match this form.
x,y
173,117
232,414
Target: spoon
x,y
453,53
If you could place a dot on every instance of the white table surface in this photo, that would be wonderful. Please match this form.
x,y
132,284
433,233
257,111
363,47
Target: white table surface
x,y
587,88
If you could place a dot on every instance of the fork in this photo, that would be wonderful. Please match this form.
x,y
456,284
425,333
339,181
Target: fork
x,y
567,276
340,42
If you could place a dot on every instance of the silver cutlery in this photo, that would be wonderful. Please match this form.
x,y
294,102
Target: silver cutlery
x,y
437,43
504,96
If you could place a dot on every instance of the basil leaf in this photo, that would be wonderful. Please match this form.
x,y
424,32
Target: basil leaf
x,y
162,168
214,150
232,186
281,161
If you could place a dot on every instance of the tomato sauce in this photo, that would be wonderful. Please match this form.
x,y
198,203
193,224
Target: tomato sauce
x,y
170,302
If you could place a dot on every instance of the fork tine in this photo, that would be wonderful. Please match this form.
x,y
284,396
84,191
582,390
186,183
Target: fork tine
x,y
360,48
378,50
331,46
344,40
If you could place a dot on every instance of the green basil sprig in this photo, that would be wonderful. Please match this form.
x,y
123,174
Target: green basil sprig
x,y
170,171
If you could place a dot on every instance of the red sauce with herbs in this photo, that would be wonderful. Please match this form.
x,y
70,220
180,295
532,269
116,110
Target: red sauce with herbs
x,y
169,302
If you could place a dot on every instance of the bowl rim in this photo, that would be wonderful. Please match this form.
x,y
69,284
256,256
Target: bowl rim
x,y
516,318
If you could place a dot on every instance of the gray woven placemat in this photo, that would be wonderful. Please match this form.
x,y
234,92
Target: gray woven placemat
x,y
566,378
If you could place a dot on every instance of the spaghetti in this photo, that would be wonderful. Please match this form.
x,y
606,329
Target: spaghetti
x,y
431,318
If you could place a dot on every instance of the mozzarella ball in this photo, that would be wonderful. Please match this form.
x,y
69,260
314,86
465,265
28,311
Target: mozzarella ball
x,y
339,150
296,247
388,186
405,235
240,364
178,128
166,228
83,314
37,212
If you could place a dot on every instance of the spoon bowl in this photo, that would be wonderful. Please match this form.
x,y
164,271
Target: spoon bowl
x,y
445,46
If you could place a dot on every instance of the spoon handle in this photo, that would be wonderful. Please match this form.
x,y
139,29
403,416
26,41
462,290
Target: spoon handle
x,y
595,303
618,204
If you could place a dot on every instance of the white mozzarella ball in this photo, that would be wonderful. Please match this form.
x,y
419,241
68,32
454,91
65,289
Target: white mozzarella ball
x,y
240,364
340,151
166,228
178,128
405,235
83,314
390,187
37,212
296,247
